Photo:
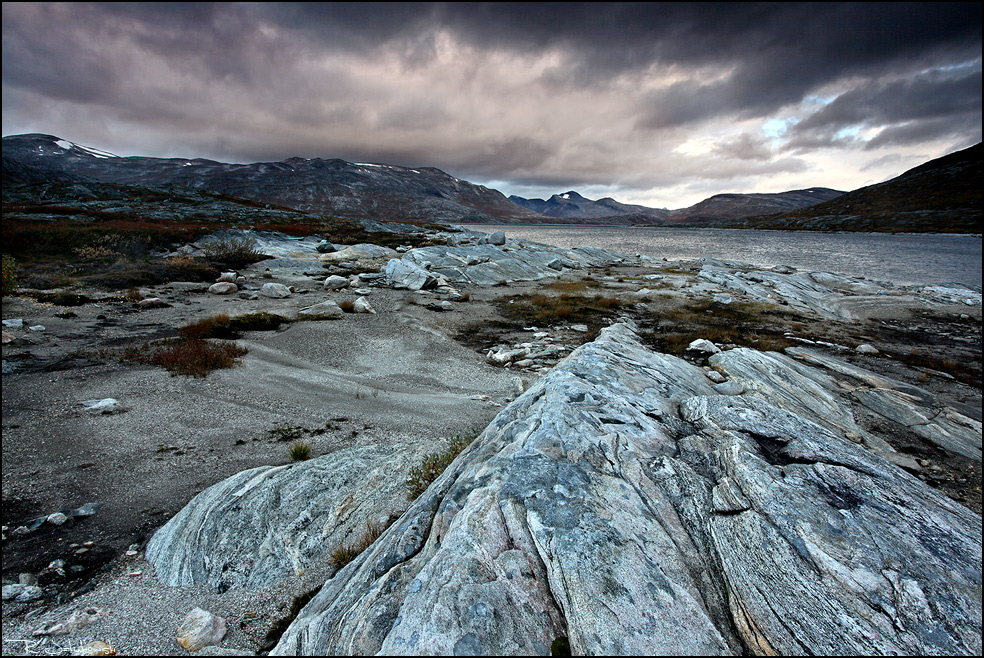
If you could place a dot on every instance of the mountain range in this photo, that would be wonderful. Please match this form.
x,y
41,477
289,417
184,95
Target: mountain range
x,y
942,195
387,192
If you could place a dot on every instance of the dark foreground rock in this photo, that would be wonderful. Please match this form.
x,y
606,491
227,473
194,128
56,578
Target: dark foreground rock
x,y
625,505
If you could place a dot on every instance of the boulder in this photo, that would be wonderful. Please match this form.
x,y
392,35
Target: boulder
x,y
498,238
201,629
335,282
275,290
223,288
624,506
401,273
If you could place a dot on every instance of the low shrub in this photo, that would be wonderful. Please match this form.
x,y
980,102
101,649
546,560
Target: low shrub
x,y
234,252
9,275
421,476
299,451
345,553
222,326
194,357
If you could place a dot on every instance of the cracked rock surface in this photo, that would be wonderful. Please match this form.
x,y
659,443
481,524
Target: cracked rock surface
x,y
624,504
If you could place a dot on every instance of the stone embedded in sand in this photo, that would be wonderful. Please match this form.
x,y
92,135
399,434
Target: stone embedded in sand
x,y
362,305
223,288
103,406
275,290
78,619
200,629
323,310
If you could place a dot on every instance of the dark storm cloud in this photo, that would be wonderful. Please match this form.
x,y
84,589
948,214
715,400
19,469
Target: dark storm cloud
x,y
577,94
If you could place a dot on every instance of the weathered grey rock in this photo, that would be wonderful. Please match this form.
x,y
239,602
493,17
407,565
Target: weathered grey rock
x,y
323,310
928,416
152,302
11,592
336,282
273,522
227,277
200,629
359,252
29,593
401,273
866,349
223,288
57,518
622,503
729,388
522,260
497,238
275,290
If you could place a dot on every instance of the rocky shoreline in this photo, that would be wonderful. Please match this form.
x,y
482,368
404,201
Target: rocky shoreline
x,y
390,352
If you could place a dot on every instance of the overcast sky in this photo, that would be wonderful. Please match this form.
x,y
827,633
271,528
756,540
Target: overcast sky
x,y
662,105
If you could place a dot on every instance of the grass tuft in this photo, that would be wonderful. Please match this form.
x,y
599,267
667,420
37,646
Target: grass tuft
x,y
299,451
433,464
193,357
345,553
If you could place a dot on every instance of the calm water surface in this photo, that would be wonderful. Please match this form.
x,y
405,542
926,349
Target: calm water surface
x,y
904,259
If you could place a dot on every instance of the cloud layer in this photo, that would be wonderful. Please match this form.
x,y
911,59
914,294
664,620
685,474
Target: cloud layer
x,y
650,103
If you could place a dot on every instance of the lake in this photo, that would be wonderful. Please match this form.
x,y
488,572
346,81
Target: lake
x,y
900,258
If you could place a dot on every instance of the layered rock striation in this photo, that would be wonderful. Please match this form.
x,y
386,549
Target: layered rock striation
x,y
624,504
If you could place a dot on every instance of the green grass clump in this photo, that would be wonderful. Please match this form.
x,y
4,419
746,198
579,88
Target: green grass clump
x,y
345,553
194,357
9,275
234,252
421,476
299,451
222,326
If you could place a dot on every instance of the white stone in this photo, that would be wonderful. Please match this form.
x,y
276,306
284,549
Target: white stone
x,y
362,305
200,629
223,288
865,349
703,345
275,290
335,282
103,406
227,277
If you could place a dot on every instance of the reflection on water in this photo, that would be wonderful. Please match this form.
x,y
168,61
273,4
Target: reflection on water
x,y
903,259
